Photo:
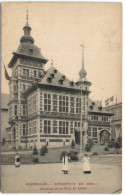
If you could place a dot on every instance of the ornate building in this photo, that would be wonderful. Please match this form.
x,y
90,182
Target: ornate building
x,y
45,107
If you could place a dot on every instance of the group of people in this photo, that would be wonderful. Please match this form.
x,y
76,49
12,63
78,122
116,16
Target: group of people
x,y
65,161
86,164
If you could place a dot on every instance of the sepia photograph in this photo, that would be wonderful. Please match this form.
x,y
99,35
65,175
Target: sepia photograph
x,y
61,97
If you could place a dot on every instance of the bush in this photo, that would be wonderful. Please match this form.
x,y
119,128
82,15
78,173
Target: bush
x,y
88,148
42,151
90,141
111,144
35,160
73,144
71,154
35,151
106,149
74,157
95,153
46,149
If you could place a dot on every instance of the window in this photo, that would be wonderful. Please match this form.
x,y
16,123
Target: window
x,y
54,126
24,110
47,126
72,105
71,127
55,103
35,73
25,72
24,87
24,129
15,110
14,88
94,132
78,105
63,103
89,131
47,102
63,127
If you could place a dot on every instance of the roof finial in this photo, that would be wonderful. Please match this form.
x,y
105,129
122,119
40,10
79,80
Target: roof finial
x,y
27,16
82,45
52,62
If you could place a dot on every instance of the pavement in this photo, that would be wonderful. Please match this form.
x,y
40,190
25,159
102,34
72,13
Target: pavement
x,y
48,178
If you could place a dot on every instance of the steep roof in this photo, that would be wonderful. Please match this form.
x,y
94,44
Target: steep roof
x,y
56,78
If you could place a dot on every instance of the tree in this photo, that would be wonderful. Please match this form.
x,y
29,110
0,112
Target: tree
x,y
35,151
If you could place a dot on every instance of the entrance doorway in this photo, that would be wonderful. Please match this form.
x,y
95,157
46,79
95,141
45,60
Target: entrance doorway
x,y
77,137
104,137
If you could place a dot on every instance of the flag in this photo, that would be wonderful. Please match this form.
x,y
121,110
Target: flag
x,y
107,102
112,98
6,73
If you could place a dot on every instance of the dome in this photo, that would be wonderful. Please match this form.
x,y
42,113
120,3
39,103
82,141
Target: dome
x,y
26,38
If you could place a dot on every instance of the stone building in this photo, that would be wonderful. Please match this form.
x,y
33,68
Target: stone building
x,y
116,120
45,107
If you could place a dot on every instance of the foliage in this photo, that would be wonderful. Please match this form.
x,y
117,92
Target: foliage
x,y
95,153
106,149
74,157
35,160
46,149
88,147
73,143
71,154
42,151
90,141
35,151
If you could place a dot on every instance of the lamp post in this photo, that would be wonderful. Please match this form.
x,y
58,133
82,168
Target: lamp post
x,y
81,126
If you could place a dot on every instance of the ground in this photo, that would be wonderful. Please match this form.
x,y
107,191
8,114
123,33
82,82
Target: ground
x,y
37,178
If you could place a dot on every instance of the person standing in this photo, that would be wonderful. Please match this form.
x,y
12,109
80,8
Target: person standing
x,y
86,164
17,160
65,167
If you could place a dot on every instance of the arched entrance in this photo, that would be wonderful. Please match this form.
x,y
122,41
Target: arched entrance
x,y
104,137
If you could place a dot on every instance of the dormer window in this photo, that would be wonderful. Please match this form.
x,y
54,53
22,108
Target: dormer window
x,y
91,107
52,75
55,71
31,51
72,83
49,80
100,108
61,81
63,77
86,88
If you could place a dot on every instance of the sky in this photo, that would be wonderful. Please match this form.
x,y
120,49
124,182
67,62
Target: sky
x,y
59,29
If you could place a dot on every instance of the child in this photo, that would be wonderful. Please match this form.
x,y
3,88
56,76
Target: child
x,y
86,165
17,160
65,167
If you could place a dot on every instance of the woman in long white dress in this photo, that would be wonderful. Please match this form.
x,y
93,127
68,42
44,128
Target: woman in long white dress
x,y
86,164
17,160
65,166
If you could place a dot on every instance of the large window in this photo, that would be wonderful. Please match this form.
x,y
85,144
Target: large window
x,y
15,110
55,103
63,127
72,104
47,126
55,127
63,103
78,105
25,72
32,127
47,102
94,131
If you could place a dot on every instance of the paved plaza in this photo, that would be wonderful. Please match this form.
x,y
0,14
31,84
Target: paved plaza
x,y
43,178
